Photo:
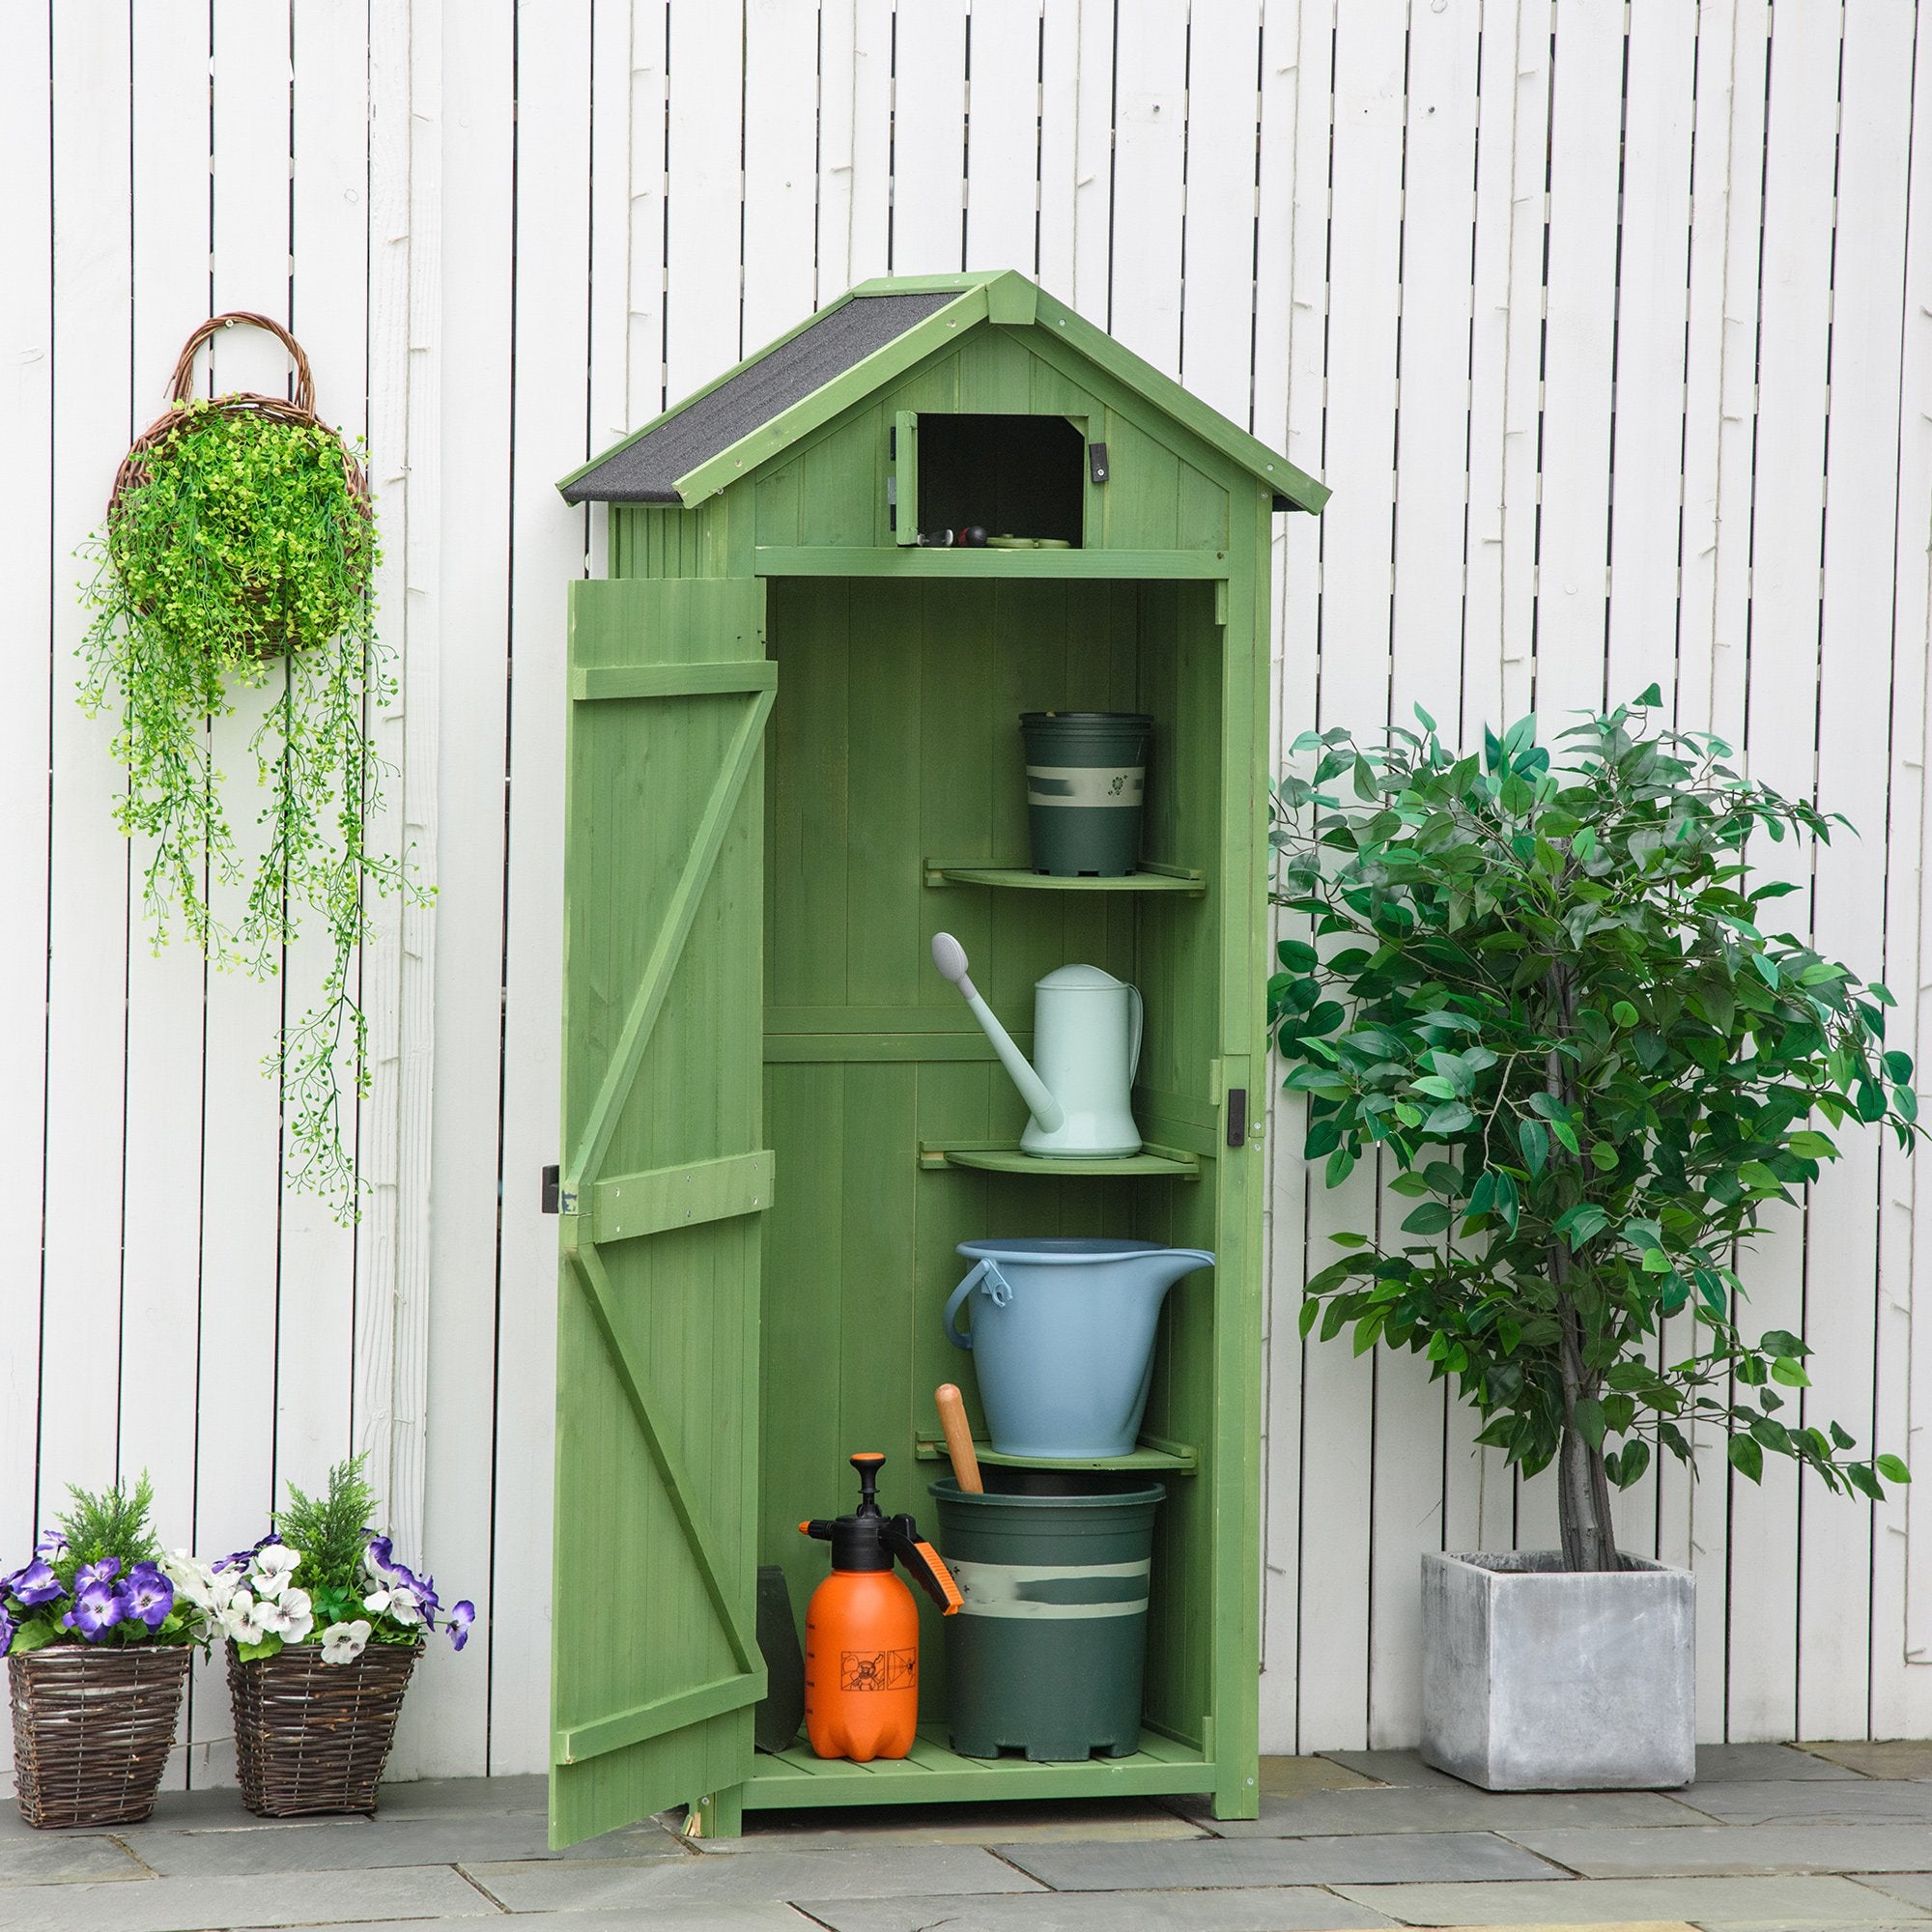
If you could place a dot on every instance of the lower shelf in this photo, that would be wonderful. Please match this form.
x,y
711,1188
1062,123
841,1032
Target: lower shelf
x,y
1002,1158
934,1774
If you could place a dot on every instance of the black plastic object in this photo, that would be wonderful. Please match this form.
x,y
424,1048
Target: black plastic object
x,y
870,1540
780,1712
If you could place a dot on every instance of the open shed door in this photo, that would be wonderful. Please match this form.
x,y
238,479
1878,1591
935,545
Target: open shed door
x,y
654,1663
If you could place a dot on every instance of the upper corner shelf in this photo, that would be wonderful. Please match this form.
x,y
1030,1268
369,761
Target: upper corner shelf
x,y
1154,1452
1148,879
889,560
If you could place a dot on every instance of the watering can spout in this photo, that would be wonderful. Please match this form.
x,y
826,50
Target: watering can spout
x,y
950,956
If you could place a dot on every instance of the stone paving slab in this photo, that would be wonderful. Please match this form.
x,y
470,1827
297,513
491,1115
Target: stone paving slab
x,y
1292,1776
65,1857
1361,1859
1729,1763
1735,1849
1811,1902
1907,1757
216,1904
1852,1801
1914,1888
1097,1822
1263,1909
340,1844
854,1871
767,1917
1446,1807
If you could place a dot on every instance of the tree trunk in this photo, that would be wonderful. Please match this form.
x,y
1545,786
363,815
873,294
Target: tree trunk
x,y
1583,1515
1589,1532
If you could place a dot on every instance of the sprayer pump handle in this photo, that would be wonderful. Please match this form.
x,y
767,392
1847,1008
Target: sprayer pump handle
x,y
923,1564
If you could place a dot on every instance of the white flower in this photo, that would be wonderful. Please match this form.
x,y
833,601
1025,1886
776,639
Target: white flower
x,y
377,1601
292,1618
342,1643
274,1566
245,1620
195,1581
404,1609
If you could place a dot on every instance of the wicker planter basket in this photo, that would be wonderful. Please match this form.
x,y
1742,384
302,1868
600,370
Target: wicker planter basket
x,y
311,1736
93,1729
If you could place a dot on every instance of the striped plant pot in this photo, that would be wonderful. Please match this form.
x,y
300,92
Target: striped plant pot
x,y
313,1737
93,1729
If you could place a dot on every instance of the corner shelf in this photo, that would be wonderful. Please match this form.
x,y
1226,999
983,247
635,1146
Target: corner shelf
x,y
1003,1157
1154,1452
1148,879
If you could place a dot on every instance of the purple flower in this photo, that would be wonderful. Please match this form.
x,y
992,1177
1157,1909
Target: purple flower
x,y
52,1544
460,1620
35,1583
6,1629
150,1596
96,1607
379,1552
104,1572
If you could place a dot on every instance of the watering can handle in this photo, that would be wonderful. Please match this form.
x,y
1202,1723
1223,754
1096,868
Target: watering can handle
x,y
1140,1014
998,1287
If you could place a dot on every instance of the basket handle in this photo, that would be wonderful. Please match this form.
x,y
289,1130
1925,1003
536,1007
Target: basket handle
x,y
184,377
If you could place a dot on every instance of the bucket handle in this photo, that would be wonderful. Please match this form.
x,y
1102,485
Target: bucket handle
x,y
999,1291
1140,1014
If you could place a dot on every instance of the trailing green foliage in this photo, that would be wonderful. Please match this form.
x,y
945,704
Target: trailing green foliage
x,y
1544,989
107,1522
245,558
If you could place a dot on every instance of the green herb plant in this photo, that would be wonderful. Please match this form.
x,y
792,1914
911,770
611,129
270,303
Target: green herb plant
x,y
243,558
1541,985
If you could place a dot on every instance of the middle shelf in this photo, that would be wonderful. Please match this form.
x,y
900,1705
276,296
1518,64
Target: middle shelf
x,y
1004,1157
1153,1452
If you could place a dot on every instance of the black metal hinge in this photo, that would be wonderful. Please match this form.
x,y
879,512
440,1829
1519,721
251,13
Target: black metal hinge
x,y
1097,462
1237,1116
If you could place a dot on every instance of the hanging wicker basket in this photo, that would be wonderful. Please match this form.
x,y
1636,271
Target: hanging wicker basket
x,y
93,1729
172,422
313,1737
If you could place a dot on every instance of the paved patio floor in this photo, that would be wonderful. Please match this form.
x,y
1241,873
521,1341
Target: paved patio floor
x,y
1769,1836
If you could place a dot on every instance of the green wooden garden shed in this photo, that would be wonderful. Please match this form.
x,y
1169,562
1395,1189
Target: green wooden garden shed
x,y
794,754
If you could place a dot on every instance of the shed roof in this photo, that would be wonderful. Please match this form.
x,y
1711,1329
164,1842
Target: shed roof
x,y
863,340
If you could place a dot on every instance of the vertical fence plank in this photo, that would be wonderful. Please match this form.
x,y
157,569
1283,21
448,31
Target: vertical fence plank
x,y
703,335
27,553
645,359
445,1729
1003,136
1855,728
929,138
781,167
87,927
1149,164
548,542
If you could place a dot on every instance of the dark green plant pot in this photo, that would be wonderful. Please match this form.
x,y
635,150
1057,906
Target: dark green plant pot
x,y
1086,783
1046,1657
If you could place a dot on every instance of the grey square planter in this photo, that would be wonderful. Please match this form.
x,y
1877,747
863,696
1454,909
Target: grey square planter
x,y
1537,1679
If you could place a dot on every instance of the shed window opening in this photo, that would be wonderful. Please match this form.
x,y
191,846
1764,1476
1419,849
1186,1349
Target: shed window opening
x,y
995,479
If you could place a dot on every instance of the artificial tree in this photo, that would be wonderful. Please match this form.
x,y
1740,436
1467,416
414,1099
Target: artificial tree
x,y
1540,986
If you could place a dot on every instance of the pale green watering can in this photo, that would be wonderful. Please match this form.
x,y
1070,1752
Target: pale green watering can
x,y
1086,1040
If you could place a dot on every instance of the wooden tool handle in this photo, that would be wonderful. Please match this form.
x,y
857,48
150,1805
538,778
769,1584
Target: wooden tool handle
x,y
959,1439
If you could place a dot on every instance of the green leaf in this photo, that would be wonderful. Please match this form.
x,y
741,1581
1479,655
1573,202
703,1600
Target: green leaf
x,y
249,1652
1310,1312
1589,1416
1452,1117
1893,1470
1534,1138
1809,1145
1602,1157
35,1635
1788,1372
1899,1067
1782,1341
1624,1014
1430,1218
1746,1457
1862,1477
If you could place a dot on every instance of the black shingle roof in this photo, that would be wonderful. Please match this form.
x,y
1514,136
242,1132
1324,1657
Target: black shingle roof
x,y
646,468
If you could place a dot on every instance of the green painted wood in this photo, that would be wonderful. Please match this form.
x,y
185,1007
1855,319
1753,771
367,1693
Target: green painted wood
x,y
936,1775
626,1207
654,1665
1021,878
903,502
849,559
894,736
671,680
1165,1162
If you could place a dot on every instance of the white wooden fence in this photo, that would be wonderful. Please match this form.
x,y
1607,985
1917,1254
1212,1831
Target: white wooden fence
x,y
1608,326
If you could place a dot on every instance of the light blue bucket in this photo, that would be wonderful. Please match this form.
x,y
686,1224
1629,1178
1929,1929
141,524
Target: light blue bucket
x,y
1062,1339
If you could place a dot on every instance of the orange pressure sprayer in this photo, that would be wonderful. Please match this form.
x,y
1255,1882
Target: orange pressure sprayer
x,y
862,1628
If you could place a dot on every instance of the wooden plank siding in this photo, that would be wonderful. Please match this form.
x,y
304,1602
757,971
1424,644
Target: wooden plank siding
x,y
1609,327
